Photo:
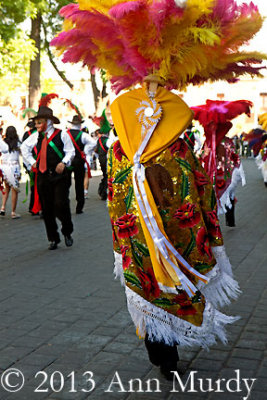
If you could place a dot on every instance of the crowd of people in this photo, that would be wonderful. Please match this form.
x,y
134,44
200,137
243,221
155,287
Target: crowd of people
x,y
50,158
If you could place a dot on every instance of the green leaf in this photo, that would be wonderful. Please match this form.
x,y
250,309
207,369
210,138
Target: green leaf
x,y
184,164
132,278
128,199
190,246
201,266
184,187
162,302
141,247
121,176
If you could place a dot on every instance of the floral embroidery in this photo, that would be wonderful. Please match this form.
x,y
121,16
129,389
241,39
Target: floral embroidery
x,y
179,146
149,283
187,215
118,151
126,260
126,226
201,180
203,244
110,189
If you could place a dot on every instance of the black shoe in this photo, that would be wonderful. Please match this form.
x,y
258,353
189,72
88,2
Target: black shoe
x,y
168,369
79,211
68,240
53,245
2,213
265,183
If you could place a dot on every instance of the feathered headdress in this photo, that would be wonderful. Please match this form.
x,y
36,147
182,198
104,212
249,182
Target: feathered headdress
x,y
183,41
255,138
47,98
215,117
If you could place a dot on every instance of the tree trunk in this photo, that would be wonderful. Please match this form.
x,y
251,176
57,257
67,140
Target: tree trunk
x,y
35,66
96,92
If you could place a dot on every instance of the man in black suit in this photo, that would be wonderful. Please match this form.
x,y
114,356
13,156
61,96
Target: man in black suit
x,y
55,152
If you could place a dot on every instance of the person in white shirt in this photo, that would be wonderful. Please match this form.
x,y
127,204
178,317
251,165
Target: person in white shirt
x,y
10,167
55,152
84,145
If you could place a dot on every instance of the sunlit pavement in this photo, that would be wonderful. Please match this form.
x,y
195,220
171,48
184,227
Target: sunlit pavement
x,y
62,311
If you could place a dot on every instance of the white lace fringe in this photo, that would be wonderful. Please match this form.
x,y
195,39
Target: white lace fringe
x,y
225,200
163,326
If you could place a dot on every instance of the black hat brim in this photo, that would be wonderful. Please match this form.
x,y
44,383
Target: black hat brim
x,y
45,116
76,123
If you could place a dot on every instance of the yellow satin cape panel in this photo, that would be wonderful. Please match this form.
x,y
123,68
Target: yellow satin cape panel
x,y
176,116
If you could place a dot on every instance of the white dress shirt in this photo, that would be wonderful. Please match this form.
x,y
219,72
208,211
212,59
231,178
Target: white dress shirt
x,y
28,145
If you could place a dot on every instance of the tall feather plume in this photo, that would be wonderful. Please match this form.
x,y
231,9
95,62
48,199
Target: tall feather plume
x,y
47,98
73,107
184,41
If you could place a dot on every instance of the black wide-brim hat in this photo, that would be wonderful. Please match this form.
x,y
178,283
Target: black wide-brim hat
x,y
76,120
46,113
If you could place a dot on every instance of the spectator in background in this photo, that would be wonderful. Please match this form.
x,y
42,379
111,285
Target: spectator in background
x,y
10,167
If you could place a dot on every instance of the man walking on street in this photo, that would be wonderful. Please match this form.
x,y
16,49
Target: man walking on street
x,y
84,145
55,152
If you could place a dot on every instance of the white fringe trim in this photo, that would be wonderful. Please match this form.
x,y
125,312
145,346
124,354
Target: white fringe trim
x,y
164,327
221,289
118,269
238,176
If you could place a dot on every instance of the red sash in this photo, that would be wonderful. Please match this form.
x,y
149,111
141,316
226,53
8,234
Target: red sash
x,y
37,204
81,154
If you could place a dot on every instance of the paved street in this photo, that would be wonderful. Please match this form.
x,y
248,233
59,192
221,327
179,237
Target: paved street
x,y
62,311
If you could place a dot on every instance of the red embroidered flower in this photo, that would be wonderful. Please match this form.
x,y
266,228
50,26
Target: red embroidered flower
x,y
179,146
201,180
110,189
213,224
149,283
187,215
126,226
126,260
203,244
118,150
182,299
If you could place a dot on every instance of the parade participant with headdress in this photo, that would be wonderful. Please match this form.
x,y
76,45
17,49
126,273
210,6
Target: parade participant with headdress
x,y
84,145
219,158
10,169
257,141
168,245
55,152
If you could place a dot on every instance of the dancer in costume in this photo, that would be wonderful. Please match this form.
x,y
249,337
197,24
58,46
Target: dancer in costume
x,y
257,141
10,169
167,240
84,145
219,158
55,152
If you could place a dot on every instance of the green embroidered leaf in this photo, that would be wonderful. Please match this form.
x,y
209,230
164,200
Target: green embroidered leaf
x,y
128,199
121,176
137,257
201,266
141,247
190,246
162,302
132,278
110,159
184,164
184,187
